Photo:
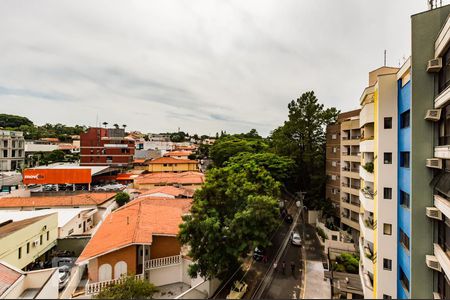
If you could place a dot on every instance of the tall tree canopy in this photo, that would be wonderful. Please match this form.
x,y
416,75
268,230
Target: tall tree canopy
x,y
302,137
13,121
235,210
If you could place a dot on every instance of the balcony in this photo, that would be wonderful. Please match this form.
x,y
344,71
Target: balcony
x,y
365,175
349,222
366,201
367,283
367,256
442,204
443,98
442,40
366,229
442,152
97,287
350,189
163,262
366,115
350,173
442,258
350,204
367,145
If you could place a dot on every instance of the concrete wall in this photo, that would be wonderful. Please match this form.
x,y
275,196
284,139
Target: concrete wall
x,y
425,29
163,246
166,275
404,183
19,239
385,210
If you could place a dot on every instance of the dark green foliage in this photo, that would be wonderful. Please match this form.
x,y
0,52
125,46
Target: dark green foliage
x,y
129,288
302,138
347,262
279,167
369,167
122,198
13,121
178,137
236,210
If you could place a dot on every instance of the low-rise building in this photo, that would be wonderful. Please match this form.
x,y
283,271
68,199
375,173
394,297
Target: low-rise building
x,y
12,152
178,154
170,164
192,180
138,238
18,284
27,241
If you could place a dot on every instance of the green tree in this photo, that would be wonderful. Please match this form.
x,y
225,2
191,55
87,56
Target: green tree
x,y
227,147
122,198
13,121
302,138
279,167
128,288
236,210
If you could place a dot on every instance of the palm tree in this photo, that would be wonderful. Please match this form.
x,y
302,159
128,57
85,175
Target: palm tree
x,y
116,126
105,123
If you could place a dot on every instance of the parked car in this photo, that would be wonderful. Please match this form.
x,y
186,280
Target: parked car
x,y
258,254
288,219
238,290
64,275
295,238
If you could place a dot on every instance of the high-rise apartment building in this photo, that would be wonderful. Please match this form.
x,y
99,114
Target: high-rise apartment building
x,y
349,171
333,157
378,218
12,153
106,147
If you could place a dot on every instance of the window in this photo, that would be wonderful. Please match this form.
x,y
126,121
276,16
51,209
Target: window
x,y
20,252
387,193
79,225
404,159
387,264
404,199
28,247
404,119
387,157
333,163
387,229
387,123
333,136
48,235
387,296
444,73
40,239
444,126
404,240
404,280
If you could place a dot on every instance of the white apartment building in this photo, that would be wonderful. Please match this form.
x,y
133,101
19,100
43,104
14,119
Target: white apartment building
x,y
12,153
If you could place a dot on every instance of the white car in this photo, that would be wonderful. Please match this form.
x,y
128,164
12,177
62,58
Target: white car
x,y
238,290
64,275
296,239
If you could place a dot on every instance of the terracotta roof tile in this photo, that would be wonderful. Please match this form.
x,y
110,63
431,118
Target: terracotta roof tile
x,y
172,160
171,178
7,277
169,190
136,223
73,200
178,153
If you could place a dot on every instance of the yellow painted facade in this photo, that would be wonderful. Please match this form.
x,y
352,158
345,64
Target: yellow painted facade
x,y
33,240
173,167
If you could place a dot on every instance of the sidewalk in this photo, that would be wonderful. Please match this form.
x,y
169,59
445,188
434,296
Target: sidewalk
x,y
314,285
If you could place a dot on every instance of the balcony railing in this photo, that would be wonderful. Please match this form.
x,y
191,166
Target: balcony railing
x,y
97,287
162,262
368,193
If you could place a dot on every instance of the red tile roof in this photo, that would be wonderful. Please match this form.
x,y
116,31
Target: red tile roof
x,y
136,223
178,153
172,160
171,178
169,190
73,200
7,277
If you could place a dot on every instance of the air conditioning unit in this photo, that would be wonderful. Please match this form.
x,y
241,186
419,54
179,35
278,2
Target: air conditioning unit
x,y
435,163
433,115
432,262
433,213
434,65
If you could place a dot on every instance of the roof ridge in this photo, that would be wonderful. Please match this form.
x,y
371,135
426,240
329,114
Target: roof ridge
x,y
138,218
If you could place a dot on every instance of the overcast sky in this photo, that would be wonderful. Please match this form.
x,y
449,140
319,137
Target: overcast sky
x,y
201,65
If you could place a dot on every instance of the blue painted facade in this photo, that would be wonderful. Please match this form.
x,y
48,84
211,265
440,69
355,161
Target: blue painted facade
x,y
404,184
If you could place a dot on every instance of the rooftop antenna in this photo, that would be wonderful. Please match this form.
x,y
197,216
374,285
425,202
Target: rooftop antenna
x,y
385,58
